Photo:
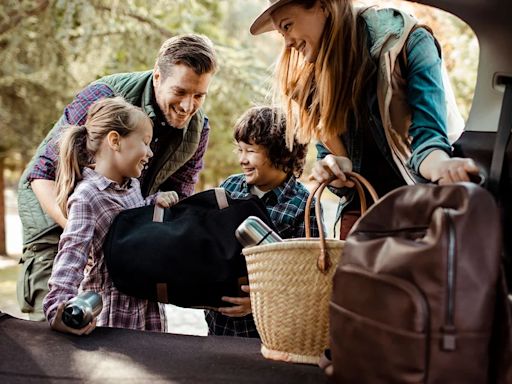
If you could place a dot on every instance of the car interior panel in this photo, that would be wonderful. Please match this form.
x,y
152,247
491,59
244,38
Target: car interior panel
x,y
486,137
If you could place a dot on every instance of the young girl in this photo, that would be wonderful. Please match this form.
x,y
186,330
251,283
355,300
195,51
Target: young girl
x,y
96,179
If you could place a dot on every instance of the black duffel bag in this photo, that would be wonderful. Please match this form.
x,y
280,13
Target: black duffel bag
x,y
186,255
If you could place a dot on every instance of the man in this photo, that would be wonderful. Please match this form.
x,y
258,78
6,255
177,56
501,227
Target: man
x,y
172,95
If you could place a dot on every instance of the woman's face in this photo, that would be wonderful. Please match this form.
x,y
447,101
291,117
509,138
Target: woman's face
x,y
301,28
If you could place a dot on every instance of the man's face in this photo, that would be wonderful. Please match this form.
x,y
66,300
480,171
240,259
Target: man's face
x,y
180,94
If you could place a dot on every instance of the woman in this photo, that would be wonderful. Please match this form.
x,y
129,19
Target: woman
x,y
338,82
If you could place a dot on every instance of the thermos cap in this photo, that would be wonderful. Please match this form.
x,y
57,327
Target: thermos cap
x,y
253,231
82,309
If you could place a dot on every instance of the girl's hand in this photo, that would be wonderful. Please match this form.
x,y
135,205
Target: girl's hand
x,y
453,170
243,307
167,199
330,166
58,324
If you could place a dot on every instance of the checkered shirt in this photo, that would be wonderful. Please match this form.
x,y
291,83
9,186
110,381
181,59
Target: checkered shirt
x,y
80,264
75,113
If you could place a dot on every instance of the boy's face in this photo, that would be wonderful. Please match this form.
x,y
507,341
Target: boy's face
x,y
257,168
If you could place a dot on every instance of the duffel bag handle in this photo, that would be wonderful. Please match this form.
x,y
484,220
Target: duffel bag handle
x,y
220,195
360,183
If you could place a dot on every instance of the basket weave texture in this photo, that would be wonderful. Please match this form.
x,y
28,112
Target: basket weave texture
x,y
290,297
291,286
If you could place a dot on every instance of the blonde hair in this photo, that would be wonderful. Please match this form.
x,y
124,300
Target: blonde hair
x,y
319,97
195,51
79,144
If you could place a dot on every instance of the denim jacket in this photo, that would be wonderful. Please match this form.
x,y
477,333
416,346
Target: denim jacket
x,y
426,100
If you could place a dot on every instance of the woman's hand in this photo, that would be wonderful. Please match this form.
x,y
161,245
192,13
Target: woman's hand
x,y
242,307
439,168
454,170
58,324
167,199
330,166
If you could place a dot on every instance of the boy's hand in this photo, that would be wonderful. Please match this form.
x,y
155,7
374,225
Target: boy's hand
x,y
58,324
167,199
243,307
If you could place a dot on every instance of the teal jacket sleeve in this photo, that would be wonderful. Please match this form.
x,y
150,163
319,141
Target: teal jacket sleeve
x,y
426,97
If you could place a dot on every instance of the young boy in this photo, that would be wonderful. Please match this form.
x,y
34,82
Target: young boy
x,y
270,171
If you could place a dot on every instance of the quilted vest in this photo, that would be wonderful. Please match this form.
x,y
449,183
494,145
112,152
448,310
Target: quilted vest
x,y
137,89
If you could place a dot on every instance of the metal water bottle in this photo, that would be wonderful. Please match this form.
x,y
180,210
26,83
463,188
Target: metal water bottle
x,y
253,231
82,309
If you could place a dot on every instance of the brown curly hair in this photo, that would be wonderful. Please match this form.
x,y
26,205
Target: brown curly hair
x,y
266,126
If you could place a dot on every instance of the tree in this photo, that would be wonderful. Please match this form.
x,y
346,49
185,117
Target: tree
x,y
52,48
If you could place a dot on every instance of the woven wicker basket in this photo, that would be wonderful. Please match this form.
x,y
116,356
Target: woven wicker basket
x,y
291,285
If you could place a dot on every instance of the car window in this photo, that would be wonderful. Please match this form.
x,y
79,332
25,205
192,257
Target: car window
x,y
458,42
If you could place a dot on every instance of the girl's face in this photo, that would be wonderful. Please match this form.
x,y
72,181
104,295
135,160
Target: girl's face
x,y
257,168
133,152
301,28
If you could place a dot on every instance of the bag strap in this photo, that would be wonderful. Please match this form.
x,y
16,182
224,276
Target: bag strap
x,y
360,183
158,214
220,196
222,200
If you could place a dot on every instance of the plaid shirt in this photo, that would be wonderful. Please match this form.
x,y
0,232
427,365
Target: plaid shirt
x,y
182,181
286,206
80,265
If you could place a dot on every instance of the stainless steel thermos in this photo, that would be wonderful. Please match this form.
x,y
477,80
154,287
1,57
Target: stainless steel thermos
x,y
253,231
82,309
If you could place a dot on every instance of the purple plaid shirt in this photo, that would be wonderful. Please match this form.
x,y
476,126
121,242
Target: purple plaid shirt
x,y
80,265
182,181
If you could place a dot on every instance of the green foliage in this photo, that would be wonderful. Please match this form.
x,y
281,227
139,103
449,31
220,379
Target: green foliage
x,y
53,48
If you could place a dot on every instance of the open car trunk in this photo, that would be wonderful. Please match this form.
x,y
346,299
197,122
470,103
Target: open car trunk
x,y
486,138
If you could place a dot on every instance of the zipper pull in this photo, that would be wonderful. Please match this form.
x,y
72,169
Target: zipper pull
x,y
448,341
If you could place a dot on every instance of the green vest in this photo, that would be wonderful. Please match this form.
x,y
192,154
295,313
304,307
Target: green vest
x,y
136,88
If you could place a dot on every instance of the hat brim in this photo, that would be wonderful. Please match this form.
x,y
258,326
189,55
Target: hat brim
x,y
263,22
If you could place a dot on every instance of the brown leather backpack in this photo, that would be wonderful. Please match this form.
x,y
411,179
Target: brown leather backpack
x,y
419,296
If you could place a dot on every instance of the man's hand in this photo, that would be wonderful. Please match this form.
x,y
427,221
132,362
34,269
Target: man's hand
x,y
242,307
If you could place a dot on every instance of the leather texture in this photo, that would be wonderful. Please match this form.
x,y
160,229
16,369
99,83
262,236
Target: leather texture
x,y
416,292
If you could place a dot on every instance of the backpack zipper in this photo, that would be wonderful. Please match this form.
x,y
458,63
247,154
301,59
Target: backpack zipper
x,y
448,330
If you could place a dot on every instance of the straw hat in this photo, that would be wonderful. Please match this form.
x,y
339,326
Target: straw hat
x,y
264,23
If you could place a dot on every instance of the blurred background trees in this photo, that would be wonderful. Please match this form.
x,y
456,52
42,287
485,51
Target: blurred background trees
x,y
50,49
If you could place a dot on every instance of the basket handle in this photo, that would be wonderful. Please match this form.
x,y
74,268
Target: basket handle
x,y
360,183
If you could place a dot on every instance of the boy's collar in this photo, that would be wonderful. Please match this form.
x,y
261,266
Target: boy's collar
x,y
281,191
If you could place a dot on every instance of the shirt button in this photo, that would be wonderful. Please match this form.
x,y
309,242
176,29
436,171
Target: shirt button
x,y
162,123
156,140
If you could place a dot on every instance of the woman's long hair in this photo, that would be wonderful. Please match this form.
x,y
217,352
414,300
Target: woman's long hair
x,y
319,97
79,144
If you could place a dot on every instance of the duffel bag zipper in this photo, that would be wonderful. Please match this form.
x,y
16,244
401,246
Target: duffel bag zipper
x,y
448,330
